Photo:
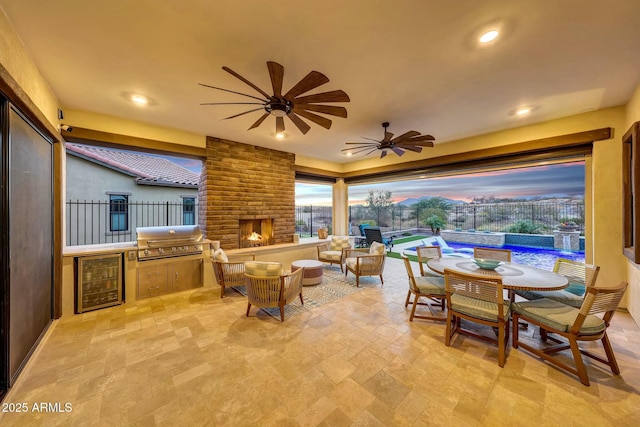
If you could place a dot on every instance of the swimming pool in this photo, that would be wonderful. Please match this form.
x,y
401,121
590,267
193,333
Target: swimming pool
x,y
544,258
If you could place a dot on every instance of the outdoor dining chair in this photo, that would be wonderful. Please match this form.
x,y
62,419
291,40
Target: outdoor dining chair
x,y
426,253
479,299
581,276
431,288
492,253
574,325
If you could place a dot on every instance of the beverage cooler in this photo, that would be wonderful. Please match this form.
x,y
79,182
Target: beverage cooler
x,y
99,282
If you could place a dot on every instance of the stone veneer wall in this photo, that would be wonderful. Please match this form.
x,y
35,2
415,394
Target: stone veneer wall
x,y
241,181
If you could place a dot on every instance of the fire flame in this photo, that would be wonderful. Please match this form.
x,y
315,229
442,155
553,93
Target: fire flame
x,y
254,236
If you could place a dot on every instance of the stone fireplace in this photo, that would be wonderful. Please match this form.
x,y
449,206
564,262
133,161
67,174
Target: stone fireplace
x,y
246,184
255,232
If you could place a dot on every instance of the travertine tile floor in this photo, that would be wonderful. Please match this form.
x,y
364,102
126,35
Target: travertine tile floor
x,y
193,359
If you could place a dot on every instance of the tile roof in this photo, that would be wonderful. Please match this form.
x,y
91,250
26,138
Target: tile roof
x,y
147,168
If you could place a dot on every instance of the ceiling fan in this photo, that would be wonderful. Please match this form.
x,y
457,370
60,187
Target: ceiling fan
x,y
291,104
411,140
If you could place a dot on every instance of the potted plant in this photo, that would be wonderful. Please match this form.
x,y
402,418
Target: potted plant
x,y
568,226
323,232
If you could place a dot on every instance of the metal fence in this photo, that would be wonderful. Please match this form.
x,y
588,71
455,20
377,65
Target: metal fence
x,y
310,218
528,217
95,222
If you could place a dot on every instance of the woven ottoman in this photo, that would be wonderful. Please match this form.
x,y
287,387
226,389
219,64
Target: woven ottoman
x,y
313,271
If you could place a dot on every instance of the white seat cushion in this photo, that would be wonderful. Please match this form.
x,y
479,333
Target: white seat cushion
x,y
331,255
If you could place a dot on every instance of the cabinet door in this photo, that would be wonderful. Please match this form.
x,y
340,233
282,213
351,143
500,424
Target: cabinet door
x,y
186,275
152,280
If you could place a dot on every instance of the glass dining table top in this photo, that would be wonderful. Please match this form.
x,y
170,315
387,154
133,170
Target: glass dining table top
x,y
514,276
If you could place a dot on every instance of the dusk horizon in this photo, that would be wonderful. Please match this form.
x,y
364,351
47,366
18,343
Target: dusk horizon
x,y
559,180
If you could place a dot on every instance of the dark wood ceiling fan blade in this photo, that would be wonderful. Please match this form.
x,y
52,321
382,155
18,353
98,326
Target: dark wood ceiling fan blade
x,y
232,103
422,138
412,148
322,121
259,121
242,114
276,72
362,143
331,96
326,109
300,124
416,144
279,124
371,139
238,76
398,151
387,137
384,153
310,81
231,91
406,135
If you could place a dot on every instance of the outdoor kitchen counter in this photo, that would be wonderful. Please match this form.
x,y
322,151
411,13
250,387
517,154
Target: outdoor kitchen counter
x,y
129,268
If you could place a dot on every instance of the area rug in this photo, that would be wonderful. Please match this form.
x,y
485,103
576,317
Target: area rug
x,y
333,287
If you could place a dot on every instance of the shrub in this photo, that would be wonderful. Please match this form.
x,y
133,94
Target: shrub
x,y
524,227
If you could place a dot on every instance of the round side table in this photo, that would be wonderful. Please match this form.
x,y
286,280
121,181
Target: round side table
x,y
313,271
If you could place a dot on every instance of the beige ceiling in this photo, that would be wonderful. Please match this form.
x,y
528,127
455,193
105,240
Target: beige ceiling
x,y
414,63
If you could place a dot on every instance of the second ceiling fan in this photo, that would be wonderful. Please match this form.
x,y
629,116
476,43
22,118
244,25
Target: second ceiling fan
x,y
411,140
291,104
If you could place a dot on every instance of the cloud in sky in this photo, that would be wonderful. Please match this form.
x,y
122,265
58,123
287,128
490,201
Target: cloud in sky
x,y
561,179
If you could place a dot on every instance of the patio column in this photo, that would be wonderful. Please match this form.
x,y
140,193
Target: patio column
x,y
340,195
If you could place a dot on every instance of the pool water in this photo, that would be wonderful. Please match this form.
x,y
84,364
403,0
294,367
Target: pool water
x,y
544,258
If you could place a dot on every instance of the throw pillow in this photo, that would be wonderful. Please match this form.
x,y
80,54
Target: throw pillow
x,y
220,256
376,248
263,268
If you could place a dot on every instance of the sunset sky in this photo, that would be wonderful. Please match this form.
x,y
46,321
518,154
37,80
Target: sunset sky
x,y
561,179
565,179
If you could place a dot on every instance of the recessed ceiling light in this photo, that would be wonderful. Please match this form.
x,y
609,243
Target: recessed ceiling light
x,y
523,110
280,135
139,99
489,36
348,154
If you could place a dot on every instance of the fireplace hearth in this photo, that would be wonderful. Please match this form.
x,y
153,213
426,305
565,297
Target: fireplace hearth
x,y
255,232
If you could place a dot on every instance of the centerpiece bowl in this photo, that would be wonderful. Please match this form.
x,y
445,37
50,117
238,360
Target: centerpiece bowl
x,y
486,263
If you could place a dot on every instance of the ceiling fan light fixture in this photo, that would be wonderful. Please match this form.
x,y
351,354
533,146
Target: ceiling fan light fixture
x,y
278,109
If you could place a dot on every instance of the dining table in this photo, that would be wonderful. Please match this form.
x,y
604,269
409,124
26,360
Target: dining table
x,y
515,276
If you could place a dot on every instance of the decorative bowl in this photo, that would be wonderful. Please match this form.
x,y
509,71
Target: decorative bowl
x,y
486,264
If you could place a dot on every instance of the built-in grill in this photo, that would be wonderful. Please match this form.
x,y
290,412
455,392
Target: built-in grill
x,y
167,242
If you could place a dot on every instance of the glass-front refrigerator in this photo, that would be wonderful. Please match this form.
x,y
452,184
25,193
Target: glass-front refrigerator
x,y
99,282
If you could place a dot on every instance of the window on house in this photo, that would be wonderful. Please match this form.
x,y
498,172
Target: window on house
x,y
188,211
118,212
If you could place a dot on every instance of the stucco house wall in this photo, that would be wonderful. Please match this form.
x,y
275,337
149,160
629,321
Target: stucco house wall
x,y
90,182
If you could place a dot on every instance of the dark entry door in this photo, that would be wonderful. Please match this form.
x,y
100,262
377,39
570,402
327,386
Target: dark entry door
x,y
27,248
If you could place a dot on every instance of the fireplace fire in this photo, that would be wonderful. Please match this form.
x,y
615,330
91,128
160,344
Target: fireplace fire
x,y
255,232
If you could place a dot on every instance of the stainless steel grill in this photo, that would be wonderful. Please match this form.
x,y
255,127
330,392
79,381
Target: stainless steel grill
x,y
167,242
